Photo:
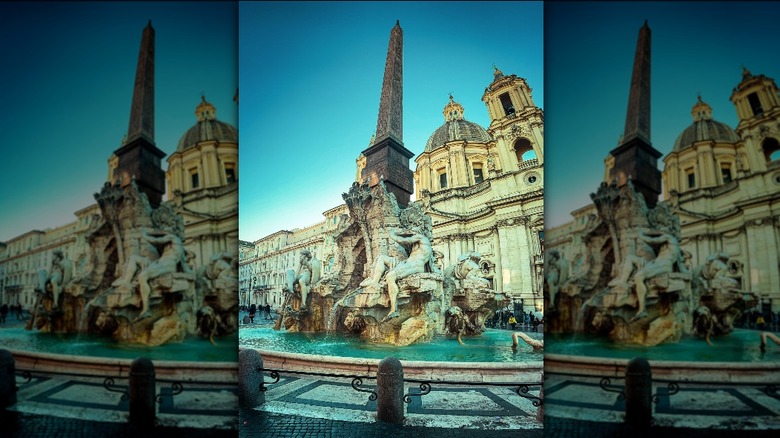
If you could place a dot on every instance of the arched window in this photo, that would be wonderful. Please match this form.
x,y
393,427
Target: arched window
x,y
771,149
523,150
755,104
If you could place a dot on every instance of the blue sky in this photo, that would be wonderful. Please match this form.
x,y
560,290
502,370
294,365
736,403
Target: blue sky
x,y
67,87
697,48
311,76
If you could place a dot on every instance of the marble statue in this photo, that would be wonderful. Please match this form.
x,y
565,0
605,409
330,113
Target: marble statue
x,y
764,336
467,270
668,258
59,274
172,259
420,255
307,274
457,323
557,273
534,343
714,273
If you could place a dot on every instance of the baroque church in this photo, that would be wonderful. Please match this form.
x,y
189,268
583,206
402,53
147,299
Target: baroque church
x,y
723,183
202,185
481,186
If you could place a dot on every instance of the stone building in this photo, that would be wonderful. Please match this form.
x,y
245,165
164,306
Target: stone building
x,y
484,190
263,264
724,185
202,179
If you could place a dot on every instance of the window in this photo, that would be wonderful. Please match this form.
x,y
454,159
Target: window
x,y
725,172
478,177
755,104
691,178
194,179
230,174
506,103
442,179
771,149
523,150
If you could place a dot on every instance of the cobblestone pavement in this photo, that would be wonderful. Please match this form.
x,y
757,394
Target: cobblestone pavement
x,y
571,428
255,423
75,406
692,410
22,425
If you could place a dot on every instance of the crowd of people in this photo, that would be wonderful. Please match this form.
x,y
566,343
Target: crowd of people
x,y
13,310
265,312
756,320
503,319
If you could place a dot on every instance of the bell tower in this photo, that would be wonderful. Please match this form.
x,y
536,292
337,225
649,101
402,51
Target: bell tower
x,y
758,111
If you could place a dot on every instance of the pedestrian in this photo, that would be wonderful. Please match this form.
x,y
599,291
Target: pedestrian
x,y
267,311
512,320
760,322
3,312
252,310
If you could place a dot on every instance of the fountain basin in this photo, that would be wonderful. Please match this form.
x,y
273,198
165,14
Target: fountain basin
x,y
212,372
193,360
735,358
487,358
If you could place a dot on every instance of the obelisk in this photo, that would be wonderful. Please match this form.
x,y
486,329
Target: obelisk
x,y
387,158
139,158
635,157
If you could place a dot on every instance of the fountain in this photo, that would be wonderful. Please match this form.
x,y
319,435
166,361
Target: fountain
x,y
402,296
632,290
134,282
385,292
635,285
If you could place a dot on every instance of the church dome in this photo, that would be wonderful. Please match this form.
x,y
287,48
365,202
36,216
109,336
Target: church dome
x,y
455,128
704,128
208,128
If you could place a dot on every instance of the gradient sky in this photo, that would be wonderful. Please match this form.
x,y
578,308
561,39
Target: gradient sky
x,y
311,77
68,76
697,48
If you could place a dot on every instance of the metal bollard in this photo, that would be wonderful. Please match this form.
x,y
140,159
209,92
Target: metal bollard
x,y
7,379
390,391
143,388
249,379
639,388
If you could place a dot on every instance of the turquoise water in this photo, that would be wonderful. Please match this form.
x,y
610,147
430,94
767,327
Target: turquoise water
x,y
491,346
739,346
192,349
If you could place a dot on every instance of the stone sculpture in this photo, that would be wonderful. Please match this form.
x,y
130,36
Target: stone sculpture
x,y
308,273
535,344
635,284
557,273
135,281
383,281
